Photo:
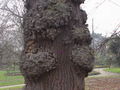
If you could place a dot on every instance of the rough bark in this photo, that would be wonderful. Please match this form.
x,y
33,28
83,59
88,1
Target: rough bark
x,y
56,53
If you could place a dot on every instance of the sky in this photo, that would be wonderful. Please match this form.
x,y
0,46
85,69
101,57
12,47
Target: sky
x,y
105,16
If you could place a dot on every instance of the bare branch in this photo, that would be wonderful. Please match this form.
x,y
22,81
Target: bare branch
x,y
9,10
103,44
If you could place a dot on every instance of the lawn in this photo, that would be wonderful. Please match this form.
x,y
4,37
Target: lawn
x,y
10,80
114,70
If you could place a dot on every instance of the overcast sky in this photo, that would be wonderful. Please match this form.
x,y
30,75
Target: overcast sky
x,y
106,16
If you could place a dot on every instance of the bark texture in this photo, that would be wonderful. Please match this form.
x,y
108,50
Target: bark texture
x,y
56,54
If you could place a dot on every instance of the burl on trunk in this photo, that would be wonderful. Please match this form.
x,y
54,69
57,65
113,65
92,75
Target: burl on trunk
x,y
56,54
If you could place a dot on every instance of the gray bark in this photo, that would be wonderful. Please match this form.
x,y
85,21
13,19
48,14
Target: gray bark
x,y
56,52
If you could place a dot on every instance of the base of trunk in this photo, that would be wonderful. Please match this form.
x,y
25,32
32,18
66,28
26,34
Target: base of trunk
x,y
57,81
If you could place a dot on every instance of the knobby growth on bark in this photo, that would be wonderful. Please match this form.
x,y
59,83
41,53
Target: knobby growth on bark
x,y
56,53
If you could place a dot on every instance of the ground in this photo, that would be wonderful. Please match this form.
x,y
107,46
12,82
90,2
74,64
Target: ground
x,y
103,81
104,72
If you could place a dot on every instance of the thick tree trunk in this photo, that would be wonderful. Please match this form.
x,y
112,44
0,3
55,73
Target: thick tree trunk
x,y
56,53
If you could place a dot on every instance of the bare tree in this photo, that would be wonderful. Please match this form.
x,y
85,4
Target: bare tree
x,y
11,12
103,44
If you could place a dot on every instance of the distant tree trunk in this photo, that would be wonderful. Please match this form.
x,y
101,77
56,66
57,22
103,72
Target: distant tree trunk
x,y
56,52
1,57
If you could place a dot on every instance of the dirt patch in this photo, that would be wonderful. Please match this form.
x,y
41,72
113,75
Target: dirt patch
x,y
103,83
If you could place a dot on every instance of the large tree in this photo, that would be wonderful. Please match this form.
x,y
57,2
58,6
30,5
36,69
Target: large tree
x,y
56,53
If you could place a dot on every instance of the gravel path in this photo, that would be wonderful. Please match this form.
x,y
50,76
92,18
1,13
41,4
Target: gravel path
x,y
3,87
104,73
103,81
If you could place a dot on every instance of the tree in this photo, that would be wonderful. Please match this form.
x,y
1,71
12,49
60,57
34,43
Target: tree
x,y
10,31
100,56
97,39
56,53
114,48
109,47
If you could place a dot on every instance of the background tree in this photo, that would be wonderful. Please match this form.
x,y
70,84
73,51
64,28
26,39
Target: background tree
x,y
114,48
11,42
109,49
56,53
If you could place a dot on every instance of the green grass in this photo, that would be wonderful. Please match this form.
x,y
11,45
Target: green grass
x,y
10,80
114,70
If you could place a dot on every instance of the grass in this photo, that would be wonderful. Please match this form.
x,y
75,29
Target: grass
x,y
113,70
10,80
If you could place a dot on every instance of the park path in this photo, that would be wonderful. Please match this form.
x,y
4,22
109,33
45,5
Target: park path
x,y
103,81
3,87
104,73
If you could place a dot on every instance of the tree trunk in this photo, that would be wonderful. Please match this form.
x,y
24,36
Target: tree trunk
x,y
56,53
